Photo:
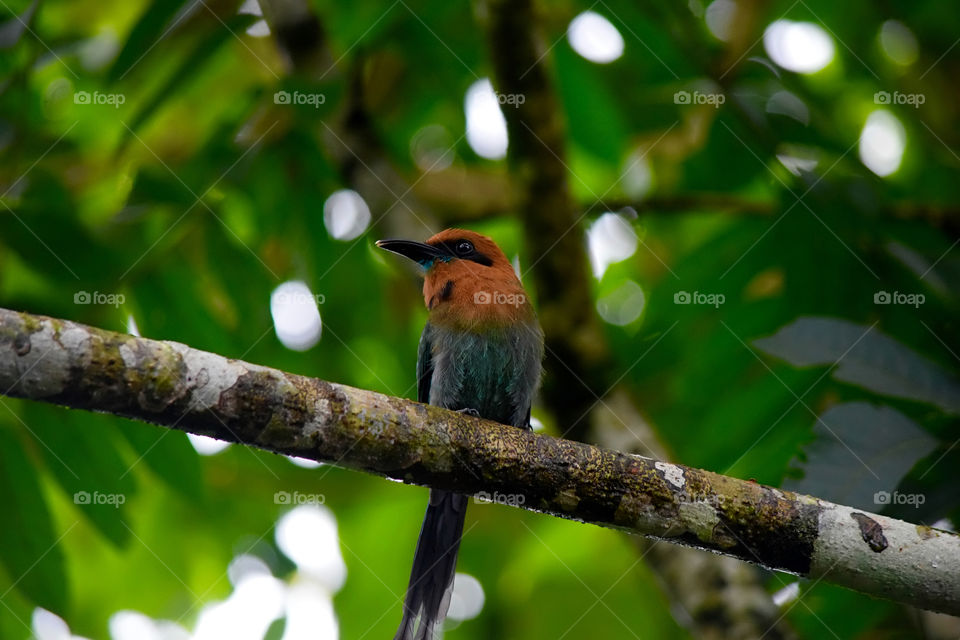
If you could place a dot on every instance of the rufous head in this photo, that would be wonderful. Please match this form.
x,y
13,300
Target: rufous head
x,y
468,282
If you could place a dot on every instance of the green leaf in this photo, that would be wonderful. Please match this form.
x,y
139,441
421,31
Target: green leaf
x,y
935,479
860,454
80,450
275,631
188,68
47,233
29,547
13,29
864,357
597,125
169,454
153,25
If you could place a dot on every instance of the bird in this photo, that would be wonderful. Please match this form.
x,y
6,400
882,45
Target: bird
x,y
480,353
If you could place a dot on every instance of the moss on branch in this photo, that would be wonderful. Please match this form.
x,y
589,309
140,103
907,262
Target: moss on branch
x,y
173,385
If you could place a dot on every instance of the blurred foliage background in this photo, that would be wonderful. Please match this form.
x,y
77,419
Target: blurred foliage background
x,y
770,205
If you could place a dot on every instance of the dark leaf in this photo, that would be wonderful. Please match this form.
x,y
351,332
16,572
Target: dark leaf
x,y
865,357
80,450
859,455
29,547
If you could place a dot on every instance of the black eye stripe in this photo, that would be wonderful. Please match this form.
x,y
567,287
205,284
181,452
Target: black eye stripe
x,y
450,247
460,247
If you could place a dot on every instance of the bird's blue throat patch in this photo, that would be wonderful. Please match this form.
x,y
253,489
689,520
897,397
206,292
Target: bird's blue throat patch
x,y
427,263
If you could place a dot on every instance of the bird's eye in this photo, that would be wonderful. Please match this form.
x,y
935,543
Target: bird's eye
x,y
463,248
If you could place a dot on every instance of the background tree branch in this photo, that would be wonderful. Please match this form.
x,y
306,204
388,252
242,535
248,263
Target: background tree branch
x,y
176,386
578,388
576,352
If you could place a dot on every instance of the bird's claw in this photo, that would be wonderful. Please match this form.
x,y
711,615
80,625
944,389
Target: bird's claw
x,y
469,412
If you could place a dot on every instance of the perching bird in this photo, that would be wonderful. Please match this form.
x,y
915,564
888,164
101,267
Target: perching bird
x,y
480,353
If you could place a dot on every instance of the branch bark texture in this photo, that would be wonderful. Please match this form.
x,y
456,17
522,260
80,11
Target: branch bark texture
x,y
576,352
173,385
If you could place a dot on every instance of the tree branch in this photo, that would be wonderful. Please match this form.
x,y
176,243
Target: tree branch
x,y
577,356
173,385
716,597
579,362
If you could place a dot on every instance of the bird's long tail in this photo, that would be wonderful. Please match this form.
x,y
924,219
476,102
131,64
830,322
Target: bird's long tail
x,y
434,563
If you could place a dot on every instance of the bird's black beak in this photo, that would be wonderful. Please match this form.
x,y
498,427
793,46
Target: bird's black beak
x,y
422,254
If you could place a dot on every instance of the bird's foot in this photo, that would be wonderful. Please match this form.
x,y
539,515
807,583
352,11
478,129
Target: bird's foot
x,y
469,412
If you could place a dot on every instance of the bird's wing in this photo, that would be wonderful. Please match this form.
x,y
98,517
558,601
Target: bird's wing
x,y
424,365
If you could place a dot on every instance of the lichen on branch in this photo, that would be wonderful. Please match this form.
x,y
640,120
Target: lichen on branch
x,y
173,385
